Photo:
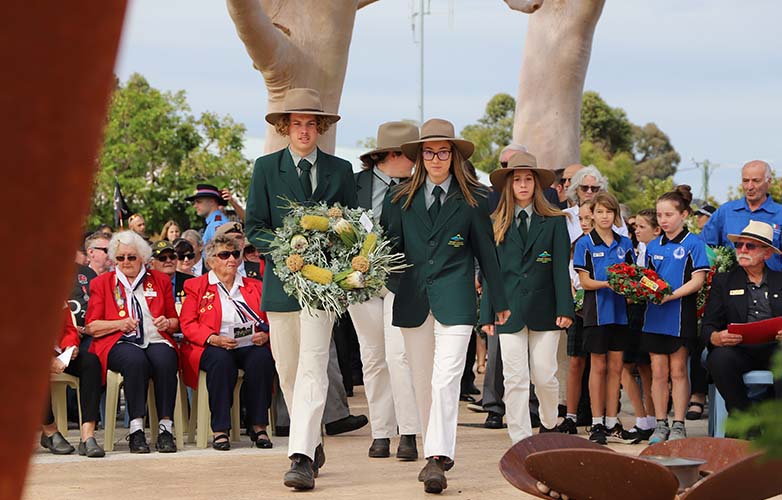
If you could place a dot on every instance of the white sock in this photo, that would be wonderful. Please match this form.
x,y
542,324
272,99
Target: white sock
x,y
571,416
611,422
597,420
642,423
137,424
651,421
166,424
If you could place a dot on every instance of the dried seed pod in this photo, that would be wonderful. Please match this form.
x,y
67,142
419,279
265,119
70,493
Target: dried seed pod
x,y
294,262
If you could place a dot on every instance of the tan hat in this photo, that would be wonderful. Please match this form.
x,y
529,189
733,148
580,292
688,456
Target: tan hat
x,y
521,160
229,227
437,130
304,101
758,231
391,136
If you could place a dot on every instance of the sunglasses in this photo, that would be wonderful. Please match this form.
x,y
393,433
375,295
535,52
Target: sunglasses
x,y
186,256
166,257
102,249
441,155
224,255
587,189
564,180
250,249
121,258
749,246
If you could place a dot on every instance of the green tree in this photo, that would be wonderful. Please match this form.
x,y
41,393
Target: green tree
x,y
493,132
159,151
605,126
655,156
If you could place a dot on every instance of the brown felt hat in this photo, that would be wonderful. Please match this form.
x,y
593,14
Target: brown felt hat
x,y
391,136
304,101
757,231
521,160
437,130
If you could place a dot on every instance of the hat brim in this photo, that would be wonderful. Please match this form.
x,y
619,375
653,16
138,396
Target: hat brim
x,y
366,156
410,149
274,117
498,177
734,237
220,200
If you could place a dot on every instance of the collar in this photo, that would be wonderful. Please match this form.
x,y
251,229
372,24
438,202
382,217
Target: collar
x,y
678,239
445,184
384,176
211,217
597,240
198,267
517,210
213,279
312,157
763,280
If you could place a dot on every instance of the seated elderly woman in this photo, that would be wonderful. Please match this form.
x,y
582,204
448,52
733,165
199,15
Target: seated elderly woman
x,y
165,260
225,330
131,316
86,366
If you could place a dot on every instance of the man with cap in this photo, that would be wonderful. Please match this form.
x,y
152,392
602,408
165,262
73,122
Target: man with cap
x,y
300,340
751,292
703,214
208,201
164,259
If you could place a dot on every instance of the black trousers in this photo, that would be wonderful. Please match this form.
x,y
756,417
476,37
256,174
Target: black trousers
x,y
699,378
86,366
728,364
222,367
158,362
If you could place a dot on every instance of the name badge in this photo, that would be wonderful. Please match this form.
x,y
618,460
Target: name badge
x,y
150,293
740,291
598,254
243,329
657,257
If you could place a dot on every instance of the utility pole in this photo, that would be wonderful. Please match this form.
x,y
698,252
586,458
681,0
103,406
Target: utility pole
x,y
418,17
707,169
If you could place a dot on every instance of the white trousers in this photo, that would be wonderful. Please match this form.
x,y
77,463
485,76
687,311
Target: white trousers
x,y
300,345
436,354
387,379
529,354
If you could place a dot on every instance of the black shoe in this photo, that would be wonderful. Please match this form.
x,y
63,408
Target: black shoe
x,y
138,442
91,449
347,424
433,475
466,398
165,442
447,465
477,406
493,421
320,460
598,434
300,476
471,389
568,426
695,414
221,442
616,434
543,429
381,448
282,430
57,444
636,435
407,450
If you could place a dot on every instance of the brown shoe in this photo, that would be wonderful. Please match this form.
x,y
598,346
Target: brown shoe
x,y
407,450
380,448
434,475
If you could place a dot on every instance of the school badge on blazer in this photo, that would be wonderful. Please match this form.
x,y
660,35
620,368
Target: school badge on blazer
x,y
456,241
544,257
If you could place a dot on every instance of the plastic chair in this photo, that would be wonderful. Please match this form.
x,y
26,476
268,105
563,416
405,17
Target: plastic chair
x,y
199,427
59,383
114,381
718,413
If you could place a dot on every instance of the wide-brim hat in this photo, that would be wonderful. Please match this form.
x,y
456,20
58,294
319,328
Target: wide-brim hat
x,y
304,101
391,136
229,227
207,191
437,130
758,231
521,160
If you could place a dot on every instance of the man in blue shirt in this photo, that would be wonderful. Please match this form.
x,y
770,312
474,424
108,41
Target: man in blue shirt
x,y
756,205
207,201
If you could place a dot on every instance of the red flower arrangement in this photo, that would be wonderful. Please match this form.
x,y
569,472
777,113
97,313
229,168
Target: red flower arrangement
x,y
637,284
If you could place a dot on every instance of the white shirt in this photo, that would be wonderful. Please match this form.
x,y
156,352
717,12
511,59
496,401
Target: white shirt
x,y
198,268
230,318
574,227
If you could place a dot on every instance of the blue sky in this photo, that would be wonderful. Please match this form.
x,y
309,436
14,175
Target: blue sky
x,y
709,73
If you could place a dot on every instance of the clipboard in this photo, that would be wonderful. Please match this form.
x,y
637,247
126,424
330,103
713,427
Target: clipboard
x,y
757,332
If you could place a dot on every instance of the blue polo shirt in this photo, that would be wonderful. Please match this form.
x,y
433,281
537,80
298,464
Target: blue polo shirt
x,y
213,221
733,216
592,255
675,261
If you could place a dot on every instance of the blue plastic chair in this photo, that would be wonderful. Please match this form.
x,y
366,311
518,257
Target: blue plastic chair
x,y
756,382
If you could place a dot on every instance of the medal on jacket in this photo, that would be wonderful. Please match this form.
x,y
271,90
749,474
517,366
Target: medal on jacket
x,y
119,300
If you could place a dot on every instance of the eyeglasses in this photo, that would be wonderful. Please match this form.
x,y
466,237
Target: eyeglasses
x,y
102,249
224,255
564,180
250,249
586,189
166,257
186,256
749,246
121,258
441,155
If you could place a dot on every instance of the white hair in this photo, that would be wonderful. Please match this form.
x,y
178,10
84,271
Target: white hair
x,y
131,239
578,178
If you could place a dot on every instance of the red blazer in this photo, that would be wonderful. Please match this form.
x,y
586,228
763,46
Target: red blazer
x,y
102,306
69,336
201,316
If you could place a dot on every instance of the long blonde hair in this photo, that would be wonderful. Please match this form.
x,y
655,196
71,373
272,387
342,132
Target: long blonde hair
x,y
505,213
467,182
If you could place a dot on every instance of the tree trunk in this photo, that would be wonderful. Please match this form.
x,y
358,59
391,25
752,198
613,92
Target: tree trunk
x,y
554,66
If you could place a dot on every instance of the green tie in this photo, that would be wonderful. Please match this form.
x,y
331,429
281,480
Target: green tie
x,y
434,210
304,177
523,226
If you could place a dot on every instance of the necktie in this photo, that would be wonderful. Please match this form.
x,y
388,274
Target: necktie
x,y
523,226
304,177
434,210
391,185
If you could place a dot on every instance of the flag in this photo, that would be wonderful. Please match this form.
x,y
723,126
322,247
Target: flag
x,y
121,209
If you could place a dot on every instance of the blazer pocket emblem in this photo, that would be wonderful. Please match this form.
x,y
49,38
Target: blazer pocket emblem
x,y
456,241
544,257
739,291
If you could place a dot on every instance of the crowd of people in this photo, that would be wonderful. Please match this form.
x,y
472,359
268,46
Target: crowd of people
x,y
515,265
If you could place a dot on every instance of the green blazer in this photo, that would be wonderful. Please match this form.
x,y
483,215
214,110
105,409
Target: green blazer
x,y
442,255
274,179
535,276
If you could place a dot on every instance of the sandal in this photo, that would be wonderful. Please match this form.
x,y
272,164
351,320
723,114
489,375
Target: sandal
x,y
694,414
263,440
221,442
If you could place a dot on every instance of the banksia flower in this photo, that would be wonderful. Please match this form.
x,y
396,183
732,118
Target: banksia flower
x,y
350,280
315,223
360,263
369,244
294,262
316,274
299,243
335,212
346,232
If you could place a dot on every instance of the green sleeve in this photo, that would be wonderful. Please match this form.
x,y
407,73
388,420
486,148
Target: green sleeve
x,y
561,262
258,223
487,312
391,220
484,249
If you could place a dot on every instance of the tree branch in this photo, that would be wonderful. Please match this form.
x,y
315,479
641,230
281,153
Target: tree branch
x,y
525,6
364,3
264,43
